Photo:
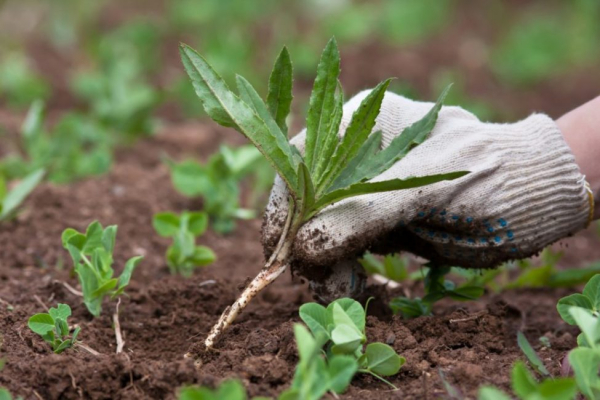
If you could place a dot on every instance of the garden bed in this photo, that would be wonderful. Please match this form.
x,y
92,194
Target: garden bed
x,y
164,316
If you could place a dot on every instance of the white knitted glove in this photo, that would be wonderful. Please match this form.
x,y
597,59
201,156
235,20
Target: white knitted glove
x,y
524,192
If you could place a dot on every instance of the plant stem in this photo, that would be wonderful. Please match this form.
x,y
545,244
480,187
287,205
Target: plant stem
x,y
366,371
271,271
118,333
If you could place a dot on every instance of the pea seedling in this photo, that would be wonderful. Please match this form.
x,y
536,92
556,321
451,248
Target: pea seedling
x,y
342,323
330,170
436,288
92,257
183,255
53,328
217,182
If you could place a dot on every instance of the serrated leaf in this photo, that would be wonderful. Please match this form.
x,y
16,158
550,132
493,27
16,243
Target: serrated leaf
x,y
249,95
357,132
41,323
279,96
532,356
375,164
378,187
322,103
227,109
19,193
383,360
166,224
327,147
365,156
316,317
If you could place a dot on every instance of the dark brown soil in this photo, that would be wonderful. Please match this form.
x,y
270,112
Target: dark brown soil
x,y
166,315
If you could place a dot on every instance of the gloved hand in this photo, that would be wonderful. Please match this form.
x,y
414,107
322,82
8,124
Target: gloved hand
x,y
524,192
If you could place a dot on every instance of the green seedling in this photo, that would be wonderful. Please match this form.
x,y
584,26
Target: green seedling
x,y
76,147
531,355
184,255
342,323
330,169
583,309
92,257
436,288
526,387
218,183
19,84
314,374
393,266
53,328
10,200
230,390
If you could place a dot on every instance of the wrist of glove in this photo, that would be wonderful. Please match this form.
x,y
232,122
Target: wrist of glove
x,y
524,192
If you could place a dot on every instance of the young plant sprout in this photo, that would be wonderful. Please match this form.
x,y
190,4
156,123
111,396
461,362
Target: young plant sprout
x,y
10,200
92,257
183,255
53,328
331,169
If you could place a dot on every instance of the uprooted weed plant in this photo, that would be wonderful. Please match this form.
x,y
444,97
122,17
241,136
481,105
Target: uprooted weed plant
x,y
331,169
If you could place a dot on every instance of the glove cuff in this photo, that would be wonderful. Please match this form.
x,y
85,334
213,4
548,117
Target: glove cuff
x,y
543,194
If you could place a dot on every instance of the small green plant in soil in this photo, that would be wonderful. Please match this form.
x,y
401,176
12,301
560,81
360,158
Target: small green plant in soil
x,y
92,254
436,288
230,390
526,387
342,323
11,199
75,148
218,183
54,329
183,256
330,169
19,84
393,266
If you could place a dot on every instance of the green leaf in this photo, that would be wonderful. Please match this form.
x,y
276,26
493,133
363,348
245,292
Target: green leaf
x,y
466,293
341,370
202,256
62,311
62,329
585,363
17,195
3,191
352,309
34,120
531,354
279,96
307,344
331,141
589,325
108,239
557,389
231,389
41,323
491,393
5,394
196,393
409,308
75,334
592,292
574,300
346,338
125,277
197,222
227,109
306,190
317,318
383,360
249,95
65,344
367,153
357,132
190,178
105,288
523,383
321,104
378,187
166,224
